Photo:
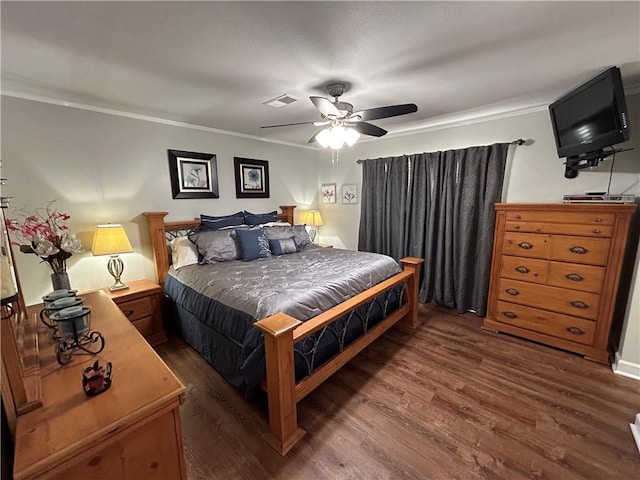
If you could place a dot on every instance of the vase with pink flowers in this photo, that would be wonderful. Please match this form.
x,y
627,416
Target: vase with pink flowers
x,y
44,232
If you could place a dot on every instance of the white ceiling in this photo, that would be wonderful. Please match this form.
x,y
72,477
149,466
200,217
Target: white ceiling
x,y
213,64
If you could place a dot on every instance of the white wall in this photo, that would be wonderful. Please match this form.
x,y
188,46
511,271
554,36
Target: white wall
x,y
109,169
534,174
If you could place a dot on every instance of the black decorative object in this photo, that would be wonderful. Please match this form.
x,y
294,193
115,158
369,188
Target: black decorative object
x,y
73,332
252,178
193,175
96,379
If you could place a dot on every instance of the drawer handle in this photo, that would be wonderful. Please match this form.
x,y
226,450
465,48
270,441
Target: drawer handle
x,y
517,217
575,330
517,227
574,277
578,250
579,304
521,269
127,313
510,315
595,230
597,220
525,245
512,291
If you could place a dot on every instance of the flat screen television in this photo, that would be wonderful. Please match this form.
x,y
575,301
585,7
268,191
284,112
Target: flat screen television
x,y
591,117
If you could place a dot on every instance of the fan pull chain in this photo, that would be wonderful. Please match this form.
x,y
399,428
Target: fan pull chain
x,y
335,156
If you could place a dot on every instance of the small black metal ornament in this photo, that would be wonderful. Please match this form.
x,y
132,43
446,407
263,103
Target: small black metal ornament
x,y
96,379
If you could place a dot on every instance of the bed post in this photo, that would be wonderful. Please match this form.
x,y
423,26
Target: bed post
x,y
281,381
287,213
412,264
159,243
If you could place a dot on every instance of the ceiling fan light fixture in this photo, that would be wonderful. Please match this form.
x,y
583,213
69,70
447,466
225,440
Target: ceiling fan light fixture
x,y
351,136
324,137
336,136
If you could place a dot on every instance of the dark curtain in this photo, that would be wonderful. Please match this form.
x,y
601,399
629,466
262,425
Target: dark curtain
x,y
383,226
448,220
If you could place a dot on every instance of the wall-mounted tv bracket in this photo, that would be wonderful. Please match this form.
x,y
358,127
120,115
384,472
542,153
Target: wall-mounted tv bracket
x,y
591,159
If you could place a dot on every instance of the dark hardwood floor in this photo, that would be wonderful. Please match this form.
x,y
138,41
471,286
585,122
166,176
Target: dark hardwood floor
x,y
444,401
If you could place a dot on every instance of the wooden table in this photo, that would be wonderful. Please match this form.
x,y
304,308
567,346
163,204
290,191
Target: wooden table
x,y
131,431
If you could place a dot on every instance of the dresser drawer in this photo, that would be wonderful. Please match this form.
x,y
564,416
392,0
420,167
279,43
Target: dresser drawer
x,y
574,276
572,302
137,309
560,228
525,269
557,325
564,218
526,245
592,251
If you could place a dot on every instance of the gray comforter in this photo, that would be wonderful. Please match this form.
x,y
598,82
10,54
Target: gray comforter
x,y
301,284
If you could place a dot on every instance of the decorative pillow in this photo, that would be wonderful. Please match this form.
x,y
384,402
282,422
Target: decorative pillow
x,y
210,222
183,252
298,231
282,246
260,218
253,244
216,245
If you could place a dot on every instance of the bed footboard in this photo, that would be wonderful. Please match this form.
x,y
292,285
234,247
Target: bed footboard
x,y
282,332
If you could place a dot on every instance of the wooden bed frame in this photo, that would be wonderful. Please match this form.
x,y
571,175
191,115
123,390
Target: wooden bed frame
x,y
282,332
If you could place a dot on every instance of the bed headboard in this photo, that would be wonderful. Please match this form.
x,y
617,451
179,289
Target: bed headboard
x,y
161,232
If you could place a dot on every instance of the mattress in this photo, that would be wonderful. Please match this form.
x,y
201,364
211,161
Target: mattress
x,y
216,305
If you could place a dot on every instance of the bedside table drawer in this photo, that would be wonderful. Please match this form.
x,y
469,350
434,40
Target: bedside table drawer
x,y
137,309
144,326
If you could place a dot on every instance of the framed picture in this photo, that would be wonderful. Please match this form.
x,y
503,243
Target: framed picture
x,y
350,194
252,178
193,175
328,193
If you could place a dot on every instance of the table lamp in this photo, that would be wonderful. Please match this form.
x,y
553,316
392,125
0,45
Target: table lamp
x,y
312,219
111,239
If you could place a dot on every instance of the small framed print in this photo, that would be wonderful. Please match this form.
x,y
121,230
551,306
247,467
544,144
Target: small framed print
x,y
328,193
350,194
193,174
252,178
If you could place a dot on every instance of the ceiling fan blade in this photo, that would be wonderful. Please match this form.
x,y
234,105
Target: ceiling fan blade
x,y
325,106
289,124
384,112
313,139
369,129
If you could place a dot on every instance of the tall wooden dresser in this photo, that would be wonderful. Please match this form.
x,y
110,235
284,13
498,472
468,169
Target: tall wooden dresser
x,y
555,273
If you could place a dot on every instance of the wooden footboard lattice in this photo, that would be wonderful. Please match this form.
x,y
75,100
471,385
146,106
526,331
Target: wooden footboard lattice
x,y
282,332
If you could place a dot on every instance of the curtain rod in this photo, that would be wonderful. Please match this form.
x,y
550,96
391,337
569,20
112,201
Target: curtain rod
x,y
519,141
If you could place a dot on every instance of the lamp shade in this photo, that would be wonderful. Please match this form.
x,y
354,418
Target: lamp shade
x,y
311,217
110,239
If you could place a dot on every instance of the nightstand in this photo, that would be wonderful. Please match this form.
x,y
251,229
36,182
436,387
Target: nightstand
x,y
141,303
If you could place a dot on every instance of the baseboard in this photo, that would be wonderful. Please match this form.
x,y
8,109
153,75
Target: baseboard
x,y
626,369
635,429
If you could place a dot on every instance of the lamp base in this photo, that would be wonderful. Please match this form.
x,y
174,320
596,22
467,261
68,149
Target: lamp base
x,y
115,267
313,232
121,286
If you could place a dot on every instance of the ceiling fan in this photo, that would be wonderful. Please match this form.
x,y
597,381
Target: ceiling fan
x,y
343,125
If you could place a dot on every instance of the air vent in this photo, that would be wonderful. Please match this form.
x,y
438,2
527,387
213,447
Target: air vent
x,y
281,101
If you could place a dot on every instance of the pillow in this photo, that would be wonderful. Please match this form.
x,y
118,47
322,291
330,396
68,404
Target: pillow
x,y
216,223
183,252
253,244
216,245
260,218
282,246
298,231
